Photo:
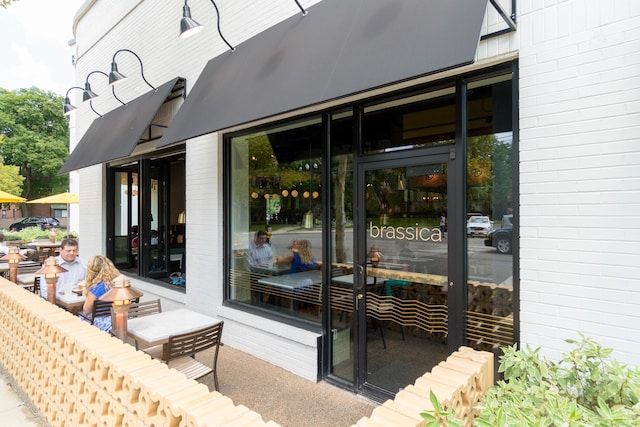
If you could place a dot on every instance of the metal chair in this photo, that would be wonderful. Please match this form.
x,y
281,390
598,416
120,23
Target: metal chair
x,y
100,309
179,352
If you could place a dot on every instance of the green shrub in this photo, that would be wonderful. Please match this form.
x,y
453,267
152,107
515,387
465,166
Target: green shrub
x,y
30,233
585,388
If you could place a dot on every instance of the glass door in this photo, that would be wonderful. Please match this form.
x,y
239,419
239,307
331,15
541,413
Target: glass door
x,y
123,234
401,280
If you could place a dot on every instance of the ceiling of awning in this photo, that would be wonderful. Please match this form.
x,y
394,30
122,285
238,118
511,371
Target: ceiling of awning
x,y
339,48
117,133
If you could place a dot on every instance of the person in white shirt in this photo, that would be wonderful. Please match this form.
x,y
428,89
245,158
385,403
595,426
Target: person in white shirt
x,y
68,259
4,249
260,253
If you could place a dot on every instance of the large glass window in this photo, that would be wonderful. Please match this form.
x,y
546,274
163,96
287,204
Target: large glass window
x,y
489,225
275,219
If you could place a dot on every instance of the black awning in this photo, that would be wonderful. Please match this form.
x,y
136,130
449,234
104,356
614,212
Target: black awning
x,y
340,47
117,133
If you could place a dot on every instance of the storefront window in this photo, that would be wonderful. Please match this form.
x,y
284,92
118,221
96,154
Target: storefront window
x,y
489,226
275,219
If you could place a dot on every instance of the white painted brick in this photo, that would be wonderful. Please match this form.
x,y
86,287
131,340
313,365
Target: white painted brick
x,y
579,158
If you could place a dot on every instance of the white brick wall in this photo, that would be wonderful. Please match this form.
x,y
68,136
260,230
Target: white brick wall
x,y
580,174
151,29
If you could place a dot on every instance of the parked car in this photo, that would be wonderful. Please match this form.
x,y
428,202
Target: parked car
x,y
44,222
501,238
478,226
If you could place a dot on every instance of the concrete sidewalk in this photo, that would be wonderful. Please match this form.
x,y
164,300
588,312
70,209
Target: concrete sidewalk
x,y
283,397
13,410
274,393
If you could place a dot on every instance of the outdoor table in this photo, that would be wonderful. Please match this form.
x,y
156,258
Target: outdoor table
x,y
4,266
69,300
156,329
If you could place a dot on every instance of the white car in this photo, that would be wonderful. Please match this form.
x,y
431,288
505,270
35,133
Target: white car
x,y
479,226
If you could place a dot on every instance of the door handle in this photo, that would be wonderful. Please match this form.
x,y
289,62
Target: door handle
x,y
361,280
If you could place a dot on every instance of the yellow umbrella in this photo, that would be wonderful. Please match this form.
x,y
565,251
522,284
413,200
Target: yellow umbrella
x,y
10,198
62,199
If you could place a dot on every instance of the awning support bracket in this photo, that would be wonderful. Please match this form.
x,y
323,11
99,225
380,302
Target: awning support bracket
x,y
509,19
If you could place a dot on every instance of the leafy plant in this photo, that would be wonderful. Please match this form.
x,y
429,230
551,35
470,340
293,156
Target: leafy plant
x,y
585,388
439,416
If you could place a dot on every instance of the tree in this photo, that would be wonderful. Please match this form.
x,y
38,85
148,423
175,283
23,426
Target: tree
x,y
10,179
5,3
35,138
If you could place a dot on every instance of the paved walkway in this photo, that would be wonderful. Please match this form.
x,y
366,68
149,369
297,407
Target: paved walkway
x,y
276,394
13,411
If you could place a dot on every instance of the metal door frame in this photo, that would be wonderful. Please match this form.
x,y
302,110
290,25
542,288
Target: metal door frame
x,y
456,270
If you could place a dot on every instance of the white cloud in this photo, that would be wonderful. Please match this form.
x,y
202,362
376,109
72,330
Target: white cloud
x,y
35,35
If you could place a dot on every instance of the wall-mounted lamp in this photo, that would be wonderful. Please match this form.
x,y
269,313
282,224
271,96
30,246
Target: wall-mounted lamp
x,y
189,27
182,217
89,95
115,76
120,295
13,258
374,256
304,12
51,269
68,107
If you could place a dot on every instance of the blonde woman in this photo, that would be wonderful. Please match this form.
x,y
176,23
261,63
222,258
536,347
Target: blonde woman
x,y
302,259
100,275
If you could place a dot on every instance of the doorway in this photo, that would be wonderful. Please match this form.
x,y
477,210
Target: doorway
x,y
396,327
146,227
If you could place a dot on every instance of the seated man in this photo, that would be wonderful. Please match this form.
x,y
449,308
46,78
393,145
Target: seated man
x,y
76,267
260,253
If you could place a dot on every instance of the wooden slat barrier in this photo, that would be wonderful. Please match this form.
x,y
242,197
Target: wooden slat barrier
x,y
76,375
458,382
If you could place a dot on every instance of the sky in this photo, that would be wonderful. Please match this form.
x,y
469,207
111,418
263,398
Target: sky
x,y
34,44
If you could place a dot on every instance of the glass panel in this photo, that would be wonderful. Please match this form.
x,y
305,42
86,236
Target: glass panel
x,y
418,121
341,208
489,217
126,218
157,237
276,228
406,287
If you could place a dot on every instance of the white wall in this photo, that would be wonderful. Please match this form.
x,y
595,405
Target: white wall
x,y
579,180
580,174
151,29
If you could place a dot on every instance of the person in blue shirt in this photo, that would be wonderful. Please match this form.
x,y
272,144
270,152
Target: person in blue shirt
x,y
100,275
301,257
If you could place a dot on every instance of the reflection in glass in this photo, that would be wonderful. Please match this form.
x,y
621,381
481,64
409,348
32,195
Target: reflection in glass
x,y
489,195
276,229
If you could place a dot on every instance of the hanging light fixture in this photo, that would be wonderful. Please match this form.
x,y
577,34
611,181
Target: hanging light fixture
x,y
304,12
115,76
67,108
189,27
88,94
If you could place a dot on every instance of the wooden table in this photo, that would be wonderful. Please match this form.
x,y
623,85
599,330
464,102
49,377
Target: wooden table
x,y
157,328
44,244
69,300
